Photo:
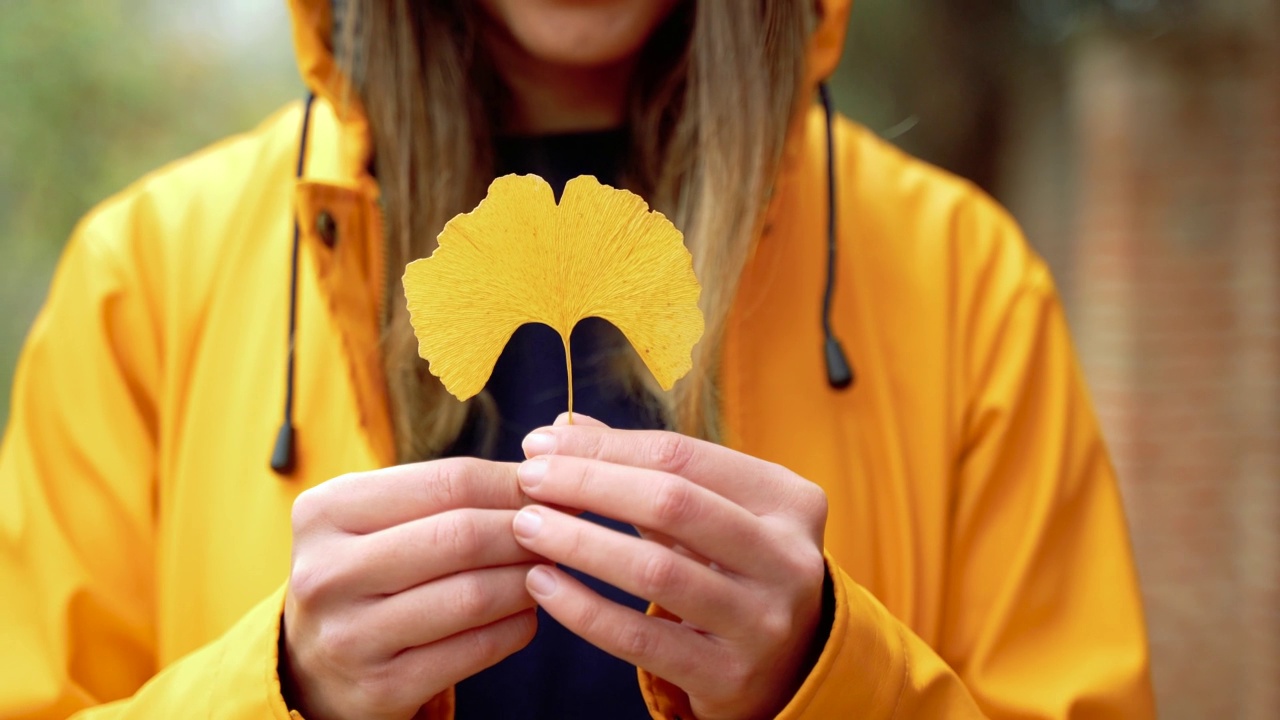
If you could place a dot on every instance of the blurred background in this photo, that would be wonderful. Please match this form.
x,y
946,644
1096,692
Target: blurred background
x,y
1138,142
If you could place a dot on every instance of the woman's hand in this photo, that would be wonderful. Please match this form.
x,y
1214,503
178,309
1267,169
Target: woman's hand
x,y
404,581
731,544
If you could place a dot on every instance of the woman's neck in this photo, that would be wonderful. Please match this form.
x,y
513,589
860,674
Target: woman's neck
x,y
552,98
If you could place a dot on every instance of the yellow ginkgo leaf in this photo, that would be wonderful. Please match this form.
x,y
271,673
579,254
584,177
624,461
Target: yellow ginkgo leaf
x,y
520,258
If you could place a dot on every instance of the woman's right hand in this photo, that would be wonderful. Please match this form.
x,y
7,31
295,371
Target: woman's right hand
x,y
404,581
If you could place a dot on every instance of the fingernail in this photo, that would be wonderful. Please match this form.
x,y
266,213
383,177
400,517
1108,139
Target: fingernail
x,y
527,523
540,581
538,443
531,472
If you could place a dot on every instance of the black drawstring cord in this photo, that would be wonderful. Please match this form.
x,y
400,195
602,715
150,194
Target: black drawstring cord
x,y
839,371
283,454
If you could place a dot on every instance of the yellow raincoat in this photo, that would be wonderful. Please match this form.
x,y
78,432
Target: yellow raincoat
x,y
976,536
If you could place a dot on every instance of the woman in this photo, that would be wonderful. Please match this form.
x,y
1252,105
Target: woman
x,y
942,537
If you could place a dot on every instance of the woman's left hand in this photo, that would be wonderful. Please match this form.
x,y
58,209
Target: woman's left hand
x,y
730,544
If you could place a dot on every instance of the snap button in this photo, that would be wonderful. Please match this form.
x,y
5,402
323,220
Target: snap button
x,y
327,228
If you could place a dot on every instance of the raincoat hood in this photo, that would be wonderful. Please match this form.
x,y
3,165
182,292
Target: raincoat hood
x,y
313,22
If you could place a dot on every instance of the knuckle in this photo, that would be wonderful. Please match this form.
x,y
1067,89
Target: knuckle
x,y
659,574
379,689
312,509
575,543
473,597
636,640
579,543
808,563
308,510
816,504
815,564
447,485
507,636
524,627
673,502
775,626
581,475
341,647
671,452
803,564
588,618
309,581
739,677
336,639
458,534
486,644
590,444
319,575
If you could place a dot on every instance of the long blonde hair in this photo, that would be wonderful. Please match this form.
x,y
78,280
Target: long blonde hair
x,y
711,103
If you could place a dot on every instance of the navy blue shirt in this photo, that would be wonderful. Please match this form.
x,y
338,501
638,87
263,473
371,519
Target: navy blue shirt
x,y
559,675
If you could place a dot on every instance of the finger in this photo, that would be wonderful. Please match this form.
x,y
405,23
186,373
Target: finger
x,y
578,419
643,568
532,444
755,484
667,649
366,502
418,551
436,610
453,659
694,516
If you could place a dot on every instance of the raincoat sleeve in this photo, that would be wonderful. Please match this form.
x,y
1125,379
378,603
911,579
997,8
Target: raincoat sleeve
x,y
78,469
1043,616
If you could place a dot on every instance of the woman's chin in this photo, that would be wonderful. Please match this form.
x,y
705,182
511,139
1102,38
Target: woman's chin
x,y
582,33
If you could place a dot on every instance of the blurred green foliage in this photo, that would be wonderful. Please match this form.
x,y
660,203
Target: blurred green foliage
x,y
93,94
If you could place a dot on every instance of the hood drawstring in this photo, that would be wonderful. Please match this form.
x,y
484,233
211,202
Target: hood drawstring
x,y
839,372
284,453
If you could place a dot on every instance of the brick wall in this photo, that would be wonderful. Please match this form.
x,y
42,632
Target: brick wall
x,y
1174,270
1138,143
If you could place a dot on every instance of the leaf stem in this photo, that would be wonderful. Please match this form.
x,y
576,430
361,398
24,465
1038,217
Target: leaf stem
x,y
568,364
